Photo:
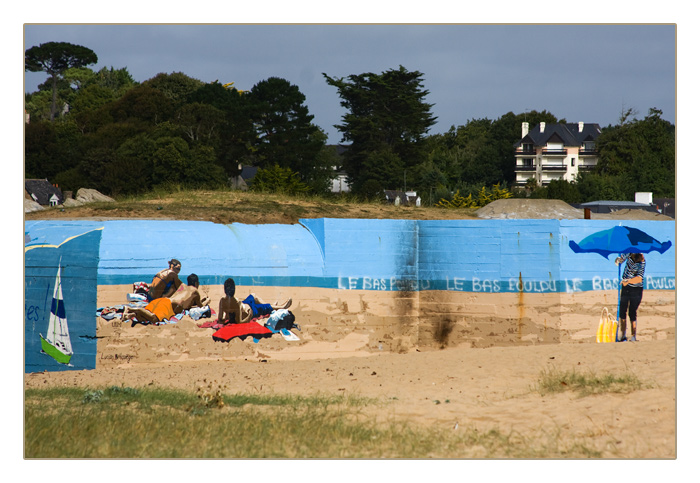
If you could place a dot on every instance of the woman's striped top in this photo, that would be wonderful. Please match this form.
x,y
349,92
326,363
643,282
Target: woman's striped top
x,y
633,269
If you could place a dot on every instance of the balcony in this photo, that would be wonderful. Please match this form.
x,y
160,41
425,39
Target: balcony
x,y
586,167
521,168
554,152
525,152
588,152
553,167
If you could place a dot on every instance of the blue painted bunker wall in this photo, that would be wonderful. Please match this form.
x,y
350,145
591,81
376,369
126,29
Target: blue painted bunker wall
x,y
407,256
74,246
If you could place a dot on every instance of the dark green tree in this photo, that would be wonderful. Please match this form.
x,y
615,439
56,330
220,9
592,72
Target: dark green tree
x,y
387,121
642,150
286,136
176,87
55,58
236,138
199,123
276,179
142,104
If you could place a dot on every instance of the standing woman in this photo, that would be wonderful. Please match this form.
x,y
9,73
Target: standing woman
x,y
631,293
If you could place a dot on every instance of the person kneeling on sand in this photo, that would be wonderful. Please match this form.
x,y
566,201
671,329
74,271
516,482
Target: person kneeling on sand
x,y
232,310
163,308
165,282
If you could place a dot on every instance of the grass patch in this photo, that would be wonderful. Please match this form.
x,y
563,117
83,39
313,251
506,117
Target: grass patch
x,y
227,206
554,381
119,422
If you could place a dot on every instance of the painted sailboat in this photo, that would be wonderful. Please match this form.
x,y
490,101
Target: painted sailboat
x,y
57,342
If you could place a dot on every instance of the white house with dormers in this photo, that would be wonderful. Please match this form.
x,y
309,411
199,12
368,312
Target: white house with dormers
x,y
555,151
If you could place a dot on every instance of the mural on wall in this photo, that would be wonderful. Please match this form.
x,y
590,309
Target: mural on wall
x,y
619,240
57,341
60,295
69,260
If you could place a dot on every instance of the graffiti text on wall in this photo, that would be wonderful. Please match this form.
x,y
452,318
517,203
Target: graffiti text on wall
x,y
475,284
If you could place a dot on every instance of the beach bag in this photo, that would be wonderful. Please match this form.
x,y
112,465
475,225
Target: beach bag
x,y
607,327
281,319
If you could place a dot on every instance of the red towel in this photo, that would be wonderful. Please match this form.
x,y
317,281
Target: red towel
x,y
230,331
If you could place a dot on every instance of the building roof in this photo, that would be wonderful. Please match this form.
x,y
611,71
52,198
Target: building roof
x,y
610,206
567,133
41,191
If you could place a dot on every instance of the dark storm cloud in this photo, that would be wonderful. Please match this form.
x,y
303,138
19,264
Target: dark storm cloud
x,y
579,72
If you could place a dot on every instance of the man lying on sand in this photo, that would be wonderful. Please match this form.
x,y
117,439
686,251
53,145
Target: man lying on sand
x,y
232,310
163,308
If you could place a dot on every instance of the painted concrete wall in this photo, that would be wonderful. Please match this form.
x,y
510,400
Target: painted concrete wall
x,y
458,255
74,247
400,283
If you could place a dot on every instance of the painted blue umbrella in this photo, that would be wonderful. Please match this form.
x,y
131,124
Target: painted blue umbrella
x,y
619,240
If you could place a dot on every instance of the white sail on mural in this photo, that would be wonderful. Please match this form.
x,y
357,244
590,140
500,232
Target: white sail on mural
x,y
57,342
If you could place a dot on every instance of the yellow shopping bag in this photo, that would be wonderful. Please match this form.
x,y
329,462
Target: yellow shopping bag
x,y
607,327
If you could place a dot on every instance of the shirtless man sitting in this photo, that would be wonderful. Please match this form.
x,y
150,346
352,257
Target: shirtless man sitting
x,y
163,308
232,310
165,282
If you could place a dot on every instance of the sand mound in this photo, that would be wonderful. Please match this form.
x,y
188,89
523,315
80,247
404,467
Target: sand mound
x,y
519,208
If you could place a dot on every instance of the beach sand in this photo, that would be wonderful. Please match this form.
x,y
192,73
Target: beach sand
x,y
458,387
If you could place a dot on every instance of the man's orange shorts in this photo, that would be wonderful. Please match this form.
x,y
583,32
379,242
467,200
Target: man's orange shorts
x,y
162,308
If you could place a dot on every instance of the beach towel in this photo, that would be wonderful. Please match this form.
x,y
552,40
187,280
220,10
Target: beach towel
x,y
242,331
108,313
211,324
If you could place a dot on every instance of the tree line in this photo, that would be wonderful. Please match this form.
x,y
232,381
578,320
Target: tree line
x,y
101,129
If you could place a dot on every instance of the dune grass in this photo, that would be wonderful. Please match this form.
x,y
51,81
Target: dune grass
x,y
227,206
153,423
554,380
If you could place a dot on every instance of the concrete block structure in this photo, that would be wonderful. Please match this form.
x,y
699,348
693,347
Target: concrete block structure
x,y
391,285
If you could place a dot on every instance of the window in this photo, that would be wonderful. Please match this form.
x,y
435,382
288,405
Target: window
x,y
573,162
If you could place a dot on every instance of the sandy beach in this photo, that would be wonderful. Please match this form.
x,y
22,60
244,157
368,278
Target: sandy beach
x,y
457,387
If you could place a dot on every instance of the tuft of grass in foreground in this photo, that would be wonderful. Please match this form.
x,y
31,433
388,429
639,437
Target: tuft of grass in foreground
x,y
157,423
554,380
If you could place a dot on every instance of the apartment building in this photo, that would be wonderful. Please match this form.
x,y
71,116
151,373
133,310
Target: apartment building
x,y
555,151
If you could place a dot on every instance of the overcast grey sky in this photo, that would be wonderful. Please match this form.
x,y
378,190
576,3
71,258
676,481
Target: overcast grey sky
x,y
584,73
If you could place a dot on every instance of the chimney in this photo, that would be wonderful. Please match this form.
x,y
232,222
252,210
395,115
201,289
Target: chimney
x,y
580,127
525,129
542,125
